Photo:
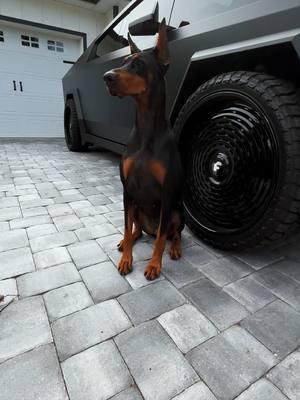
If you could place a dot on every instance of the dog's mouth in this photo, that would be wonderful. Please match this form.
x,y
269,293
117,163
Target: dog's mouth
x,y
113,90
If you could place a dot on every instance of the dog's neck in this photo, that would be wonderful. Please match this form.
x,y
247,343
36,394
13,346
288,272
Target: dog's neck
x,y
151,115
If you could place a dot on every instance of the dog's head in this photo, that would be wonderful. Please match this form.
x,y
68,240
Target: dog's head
x,y
141,69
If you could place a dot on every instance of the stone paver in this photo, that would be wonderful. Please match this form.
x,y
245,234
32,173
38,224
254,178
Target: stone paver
x,y
13,239
35,211
4,226
36,203
8,288
51,257
187,327
109,243
86,253
92,221
6,214
219,360
217,305
56,210
233,316
258,259
225,270
150,301
104,282
286,376
158,367
30,221
23,325
96,374
88,327
197,255
250,293
33,375
277,326
67,300
52,241
280,285
47,279
262,390
95,232
16,262
40,230
288,267
129,394
181,272
199,391
67,223
136,277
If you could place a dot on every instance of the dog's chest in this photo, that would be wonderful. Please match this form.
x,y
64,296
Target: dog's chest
x,y
143,183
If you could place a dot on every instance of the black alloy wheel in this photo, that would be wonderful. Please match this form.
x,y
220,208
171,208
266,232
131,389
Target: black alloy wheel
x,y
240,145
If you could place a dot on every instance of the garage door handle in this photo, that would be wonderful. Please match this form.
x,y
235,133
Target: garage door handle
x,y
21,86
15,86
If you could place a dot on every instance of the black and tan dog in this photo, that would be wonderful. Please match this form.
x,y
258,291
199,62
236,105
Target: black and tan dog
x,y
150,169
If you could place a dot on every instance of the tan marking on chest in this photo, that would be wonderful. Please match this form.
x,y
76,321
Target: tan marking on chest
x,y
157,170
126,166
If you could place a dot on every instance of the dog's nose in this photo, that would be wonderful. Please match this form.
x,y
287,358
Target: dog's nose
x,y
110,76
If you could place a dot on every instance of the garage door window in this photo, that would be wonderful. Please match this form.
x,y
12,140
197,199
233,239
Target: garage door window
x,y
30,41
55,46
1,36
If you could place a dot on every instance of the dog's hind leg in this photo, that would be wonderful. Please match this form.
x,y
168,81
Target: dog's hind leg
x,y
175,235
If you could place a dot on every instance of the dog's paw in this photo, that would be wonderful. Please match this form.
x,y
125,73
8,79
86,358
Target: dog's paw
x,y
125,265
120,245
175,252
152,272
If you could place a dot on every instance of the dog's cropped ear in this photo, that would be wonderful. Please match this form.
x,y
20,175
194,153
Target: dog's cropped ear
x,y
133,47
161,48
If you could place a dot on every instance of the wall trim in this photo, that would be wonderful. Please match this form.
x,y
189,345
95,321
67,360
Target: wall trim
x,y
83,35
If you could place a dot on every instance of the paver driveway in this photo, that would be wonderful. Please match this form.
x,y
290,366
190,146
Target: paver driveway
x,y
214,326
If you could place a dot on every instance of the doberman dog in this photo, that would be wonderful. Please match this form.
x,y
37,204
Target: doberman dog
x,y
150,169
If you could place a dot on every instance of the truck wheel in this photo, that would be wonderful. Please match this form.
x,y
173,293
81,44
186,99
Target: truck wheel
x,y
239,137
72,131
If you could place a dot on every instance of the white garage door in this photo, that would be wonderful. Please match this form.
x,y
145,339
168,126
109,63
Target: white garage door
x,y
31,68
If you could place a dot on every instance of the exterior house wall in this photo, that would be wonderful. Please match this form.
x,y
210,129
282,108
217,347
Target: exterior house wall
x,y
57,14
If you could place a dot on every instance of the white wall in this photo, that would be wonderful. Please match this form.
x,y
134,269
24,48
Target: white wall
x,y
58,14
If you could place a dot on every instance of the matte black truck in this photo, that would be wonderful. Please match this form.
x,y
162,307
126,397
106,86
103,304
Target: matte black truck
x,y
233,103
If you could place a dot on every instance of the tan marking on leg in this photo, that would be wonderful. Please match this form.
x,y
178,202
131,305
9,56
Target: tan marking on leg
x,y
175,250
137,233
153,268
126,166
125,264
157,170
152,271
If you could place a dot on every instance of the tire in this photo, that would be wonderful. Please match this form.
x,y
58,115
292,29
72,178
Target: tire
x,y
72,130
239,137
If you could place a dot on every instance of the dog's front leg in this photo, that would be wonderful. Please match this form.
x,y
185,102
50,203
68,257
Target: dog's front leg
x,y
153,268
125,264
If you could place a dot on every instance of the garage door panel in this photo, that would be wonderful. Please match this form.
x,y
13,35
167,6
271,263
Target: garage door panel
x,y
32,105
30,126
31,94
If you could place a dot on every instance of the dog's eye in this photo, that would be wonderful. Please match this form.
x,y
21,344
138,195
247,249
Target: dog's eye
x,y
136,65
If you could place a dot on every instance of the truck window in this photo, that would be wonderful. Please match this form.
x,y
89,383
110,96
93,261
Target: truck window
x,y
112,41
202,9
116,38
145,8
